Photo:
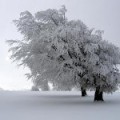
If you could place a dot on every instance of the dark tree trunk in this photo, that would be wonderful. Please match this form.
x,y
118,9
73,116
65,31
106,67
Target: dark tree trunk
x,y
98,94
83,92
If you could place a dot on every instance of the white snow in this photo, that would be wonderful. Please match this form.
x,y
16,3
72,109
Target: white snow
x,y
57,106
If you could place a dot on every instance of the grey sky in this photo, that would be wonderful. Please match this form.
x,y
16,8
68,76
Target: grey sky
x,y
98,14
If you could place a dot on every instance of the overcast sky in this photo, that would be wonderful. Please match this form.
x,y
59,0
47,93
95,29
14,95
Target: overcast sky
x,y
98,14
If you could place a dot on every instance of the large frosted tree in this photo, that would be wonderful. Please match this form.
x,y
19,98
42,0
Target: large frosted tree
x,y
65,53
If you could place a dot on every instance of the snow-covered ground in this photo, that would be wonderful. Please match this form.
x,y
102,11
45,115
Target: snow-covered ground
x,y
57,106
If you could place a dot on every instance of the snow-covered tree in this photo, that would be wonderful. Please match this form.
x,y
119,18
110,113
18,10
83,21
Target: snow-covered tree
x,y
105,72
66,53
31,51
101,60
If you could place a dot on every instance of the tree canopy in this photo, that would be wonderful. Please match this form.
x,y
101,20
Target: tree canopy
x,y
65,52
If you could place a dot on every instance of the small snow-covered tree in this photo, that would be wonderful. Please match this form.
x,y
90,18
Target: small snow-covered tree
x,y
102,73
105,72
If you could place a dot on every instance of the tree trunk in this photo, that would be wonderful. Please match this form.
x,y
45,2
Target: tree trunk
x,y
98,94
83,92
45,86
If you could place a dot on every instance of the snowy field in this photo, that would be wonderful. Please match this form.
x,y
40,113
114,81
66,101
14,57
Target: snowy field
x,y
57,106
